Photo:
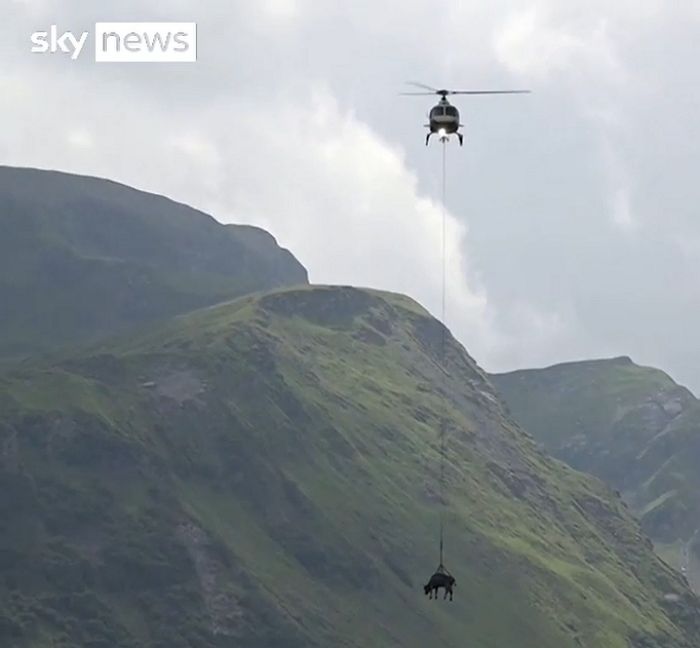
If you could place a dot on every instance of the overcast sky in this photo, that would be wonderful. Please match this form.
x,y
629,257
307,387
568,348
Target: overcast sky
x,y
573,212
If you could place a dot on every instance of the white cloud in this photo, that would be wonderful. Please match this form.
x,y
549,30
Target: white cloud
x,y
281,9
79,138
547,335
544,197
622,211
532,42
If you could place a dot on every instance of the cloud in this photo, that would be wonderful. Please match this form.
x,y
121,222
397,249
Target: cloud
x,y
622,211
281,9
79,138
531,42
572,212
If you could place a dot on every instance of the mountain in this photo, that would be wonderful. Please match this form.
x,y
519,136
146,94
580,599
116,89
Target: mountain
x,y
82,257
263,473
632,426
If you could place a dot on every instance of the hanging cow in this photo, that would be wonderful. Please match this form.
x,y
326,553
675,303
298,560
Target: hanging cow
x,y
437,580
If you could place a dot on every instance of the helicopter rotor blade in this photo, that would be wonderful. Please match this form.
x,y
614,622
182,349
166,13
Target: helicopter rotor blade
x,y
486,92
422,85
415,94
429,90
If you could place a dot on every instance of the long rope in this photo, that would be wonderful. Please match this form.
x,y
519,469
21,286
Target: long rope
x,y
442,503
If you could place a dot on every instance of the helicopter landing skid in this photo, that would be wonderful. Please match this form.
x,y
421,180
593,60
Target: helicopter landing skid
x,y
445,138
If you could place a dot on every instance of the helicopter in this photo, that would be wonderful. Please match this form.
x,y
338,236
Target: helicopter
x,y
444,117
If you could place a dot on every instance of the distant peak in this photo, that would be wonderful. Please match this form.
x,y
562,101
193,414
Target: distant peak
x,y
622,360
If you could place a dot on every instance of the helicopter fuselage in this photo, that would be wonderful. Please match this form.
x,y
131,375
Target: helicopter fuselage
x,y
444,120
444,116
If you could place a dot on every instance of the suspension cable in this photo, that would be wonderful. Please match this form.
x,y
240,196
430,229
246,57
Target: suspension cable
x,y
443,420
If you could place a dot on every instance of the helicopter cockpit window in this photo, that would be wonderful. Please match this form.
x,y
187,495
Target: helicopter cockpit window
x,y
437,111
451,111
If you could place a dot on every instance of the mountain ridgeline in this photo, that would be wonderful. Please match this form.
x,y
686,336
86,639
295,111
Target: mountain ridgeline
x,y
82,257
263,471
632,426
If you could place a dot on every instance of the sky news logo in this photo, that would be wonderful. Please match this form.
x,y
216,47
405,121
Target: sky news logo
x,y
124,42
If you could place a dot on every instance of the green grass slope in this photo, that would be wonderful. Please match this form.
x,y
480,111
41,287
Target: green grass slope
x,y
632,426
82,257
263,474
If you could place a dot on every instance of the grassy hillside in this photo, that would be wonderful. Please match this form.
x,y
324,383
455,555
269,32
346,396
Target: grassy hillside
x,y
263,474
82,257
632,426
